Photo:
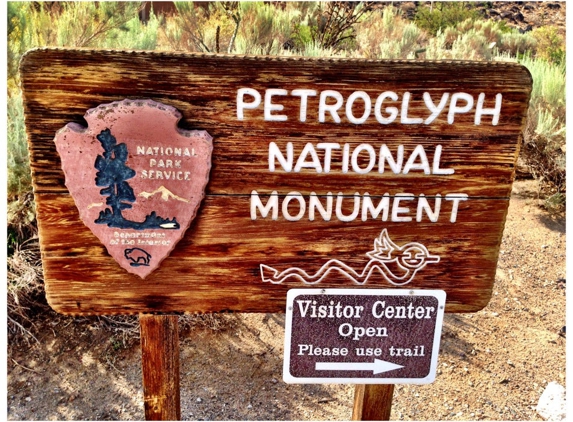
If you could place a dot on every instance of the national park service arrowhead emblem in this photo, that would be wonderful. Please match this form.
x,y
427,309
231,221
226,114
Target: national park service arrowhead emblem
x,y
136,178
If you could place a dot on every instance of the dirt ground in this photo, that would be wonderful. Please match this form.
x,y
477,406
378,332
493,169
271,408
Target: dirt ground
x,y
493,364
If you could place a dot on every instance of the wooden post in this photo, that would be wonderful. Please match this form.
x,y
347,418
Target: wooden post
x,y
372,402
160,361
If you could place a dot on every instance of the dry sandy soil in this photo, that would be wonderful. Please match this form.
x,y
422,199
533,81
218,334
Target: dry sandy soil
x,y
493,364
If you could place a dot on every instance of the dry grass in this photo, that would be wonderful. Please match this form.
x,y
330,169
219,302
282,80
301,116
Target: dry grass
x,y
213,322
125,329
25,288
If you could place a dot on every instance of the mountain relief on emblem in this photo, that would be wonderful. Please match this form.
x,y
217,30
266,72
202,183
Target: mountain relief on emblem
x,y
112,175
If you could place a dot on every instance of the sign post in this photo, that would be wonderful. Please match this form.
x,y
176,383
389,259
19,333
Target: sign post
x,y
172,183
160,366
372,402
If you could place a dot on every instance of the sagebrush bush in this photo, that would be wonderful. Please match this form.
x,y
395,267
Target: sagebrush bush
x,y
386,35
134,35
195,29
257,35
479,40
265,29
548,83
19,177
467,46
544,148
438,16
514,43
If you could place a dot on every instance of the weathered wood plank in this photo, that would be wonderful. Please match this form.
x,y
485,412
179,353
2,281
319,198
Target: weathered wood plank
x,y
223,249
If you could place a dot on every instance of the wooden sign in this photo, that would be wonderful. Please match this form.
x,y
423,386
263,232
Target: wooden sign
x,y
325,173
352,336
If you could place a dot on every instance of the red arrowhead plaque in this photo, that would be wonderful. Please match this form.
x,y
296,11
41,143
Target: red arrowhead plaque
x,y
136,178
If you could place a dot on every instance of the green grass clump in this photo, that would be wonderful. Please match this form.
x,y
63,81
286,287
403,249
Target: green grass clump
x,y
133,35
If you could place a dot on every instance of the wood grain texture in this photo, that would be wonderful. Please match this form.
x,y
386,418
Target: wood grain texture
x,y
222,250
372,402
216,266
160,367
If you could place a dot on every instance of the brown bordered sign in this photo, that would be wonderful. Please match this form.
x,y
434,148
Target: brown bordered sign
x,y
325,173
353,336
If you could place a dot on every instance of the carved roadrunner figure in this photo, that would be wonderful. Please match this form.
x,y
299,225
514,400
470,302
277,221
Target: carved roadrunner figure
x,y
397,264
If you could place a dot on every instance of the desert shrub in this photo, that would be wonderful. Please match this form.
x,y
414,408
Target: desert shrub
x,y
74,24
332,23
86,24
550,127
472,45
280,28
28,27
301,36
550,44
231,27
492,31
133,35
199,29
18,39
256,33
548,84
265,29
19,178
440,15
479,40
383,34
467,46
514,43
544,149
